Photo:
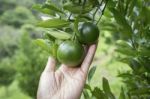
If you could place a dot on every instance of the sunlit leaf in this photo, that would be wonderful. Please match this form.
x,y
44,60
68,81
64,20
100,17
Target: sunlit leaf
x,y
76,9
122,94
107,89
124,48
39,8
98,94
52,7
87,86
53,23
131,6
91,73
59,34
43,44
106,86
126,28
86,95
124,75
122,43
49,37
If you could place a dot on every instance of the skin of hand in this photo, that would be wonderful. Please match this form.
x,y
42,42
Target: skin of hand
x,y
65,82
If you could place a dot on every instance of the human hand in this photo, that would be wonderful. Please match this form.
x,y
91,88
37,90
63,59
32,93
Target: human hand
x,y
66,82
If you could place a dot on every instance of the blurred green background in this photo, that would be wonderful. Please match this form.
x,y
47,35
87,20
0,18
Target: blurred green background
x,y
21,61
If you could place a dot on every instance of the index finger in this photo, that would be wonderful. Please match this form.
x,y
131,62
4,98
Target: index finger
x,y
89,58
50,65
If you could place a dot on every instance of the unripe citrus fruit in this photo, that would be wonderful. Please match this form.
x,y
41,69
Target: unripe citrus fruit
x,y
88,33
70,53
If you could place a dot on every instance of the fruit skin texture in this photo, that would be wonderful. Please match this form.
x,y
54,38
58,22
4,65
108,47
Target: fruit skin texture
x,y
88,33
70,53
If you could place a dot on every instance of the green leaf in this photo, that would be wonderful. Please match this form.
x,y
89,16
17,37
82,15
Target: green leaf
x,y
87,86
86,17
107,26
145,14
126,51
145,61
38,7
131,6
72,8
144,52
52,7
124,48
94,2
86,94
48,46
136,66
43,44
48,36
111,4
120,7
125,75
122,43
53,23
59,34
91,73
107,89
122,94
141,91
76,9
98,94
120,19
76,25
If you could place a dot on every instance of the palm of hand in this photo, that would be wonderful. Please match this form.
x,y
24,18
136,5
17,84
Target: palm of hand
x,y
65,83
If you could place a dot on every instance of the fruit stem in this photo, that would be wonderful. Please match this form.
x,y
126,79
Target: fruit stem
x,y
74,35
69,16
76,21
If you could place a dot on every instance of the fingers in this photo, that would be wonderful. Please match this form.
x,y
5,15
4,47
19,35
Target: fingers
x,y
89,57
51,63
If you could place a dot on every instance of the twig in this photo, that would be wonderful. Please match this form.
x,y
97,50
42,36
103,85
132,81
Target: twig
x,y
95,13
102,12
133,44
97,9
69,16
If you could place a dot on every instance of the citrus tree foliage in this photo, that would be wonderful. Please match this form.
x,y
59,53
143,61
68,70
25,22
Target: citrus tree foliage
x,y
130,24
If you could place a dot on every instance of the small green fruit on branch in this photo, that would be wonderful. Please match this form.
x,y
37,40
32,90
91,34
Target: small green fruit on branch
x,y
72,14
88,33
70,53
